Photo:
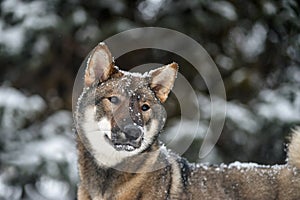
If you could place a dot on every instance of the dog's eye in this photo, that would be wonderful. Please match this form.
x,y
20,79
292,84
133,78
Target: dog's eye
x,y
114,100
145,107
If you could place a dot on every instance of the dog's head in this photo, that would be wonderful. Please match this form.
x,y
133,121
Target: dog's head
x,y
120,113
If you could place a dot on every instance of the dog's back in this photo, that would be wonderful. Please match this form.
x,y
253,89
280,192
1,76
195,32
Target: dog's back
x,y
250,181
118,119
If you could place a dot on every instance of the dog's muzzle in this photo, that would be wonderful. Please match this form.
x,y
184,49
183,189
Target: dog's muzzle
x,y
128,139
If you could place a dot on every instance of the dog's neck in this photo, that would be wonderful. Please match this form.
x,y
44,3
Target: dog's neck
x,y
101,176
132,164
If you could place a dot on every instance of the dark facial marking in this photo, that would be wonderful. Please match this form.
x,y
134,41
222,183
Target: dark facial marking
x,y
134,110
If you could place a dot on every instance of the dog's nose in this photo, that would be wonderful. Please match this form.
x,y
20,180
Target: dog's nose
x,y
132,132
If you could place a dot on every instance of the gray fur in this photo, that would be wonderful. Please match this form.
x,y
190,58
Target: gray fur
x,y
100,126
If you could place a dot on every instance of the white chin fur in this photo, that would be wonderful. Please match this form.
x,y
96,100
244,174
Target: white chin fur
x,y
105,154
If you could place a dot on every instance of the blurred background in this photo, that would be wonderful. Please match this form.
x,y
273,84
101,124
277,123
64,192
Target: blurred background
x,y
255,44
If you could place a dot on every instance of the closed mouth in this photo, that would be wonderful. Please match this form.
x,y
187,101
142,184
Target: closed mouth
x,y
122,144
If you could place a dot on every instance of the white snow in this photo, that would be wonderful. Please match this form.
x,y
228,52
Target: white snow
x,y
293,72
250,43
79,17
9,192
48,144
34,15
250,165
52,188
275,104
53,149
224,61
269,8
41,45
180,133
17,107
132,74
57,124
12,37
242,117
224,8
179,129
150,8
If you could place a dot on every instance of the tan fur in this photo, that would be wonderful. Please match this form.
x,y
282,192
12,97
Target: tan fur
x,y
93,72
128,189
162,83
294,149
176,187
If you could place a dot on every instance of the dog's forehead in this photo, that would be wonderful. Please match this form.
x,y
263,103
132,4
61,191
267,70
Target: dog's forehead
x,y
133,81
130,84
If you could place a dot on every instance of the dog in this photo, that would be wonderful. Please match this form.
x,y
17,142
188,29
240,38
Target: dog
x,y
118,118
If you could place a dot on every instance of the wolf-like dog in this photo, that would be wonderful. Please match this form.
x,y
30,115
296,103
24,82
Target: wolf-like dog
x,y
118,119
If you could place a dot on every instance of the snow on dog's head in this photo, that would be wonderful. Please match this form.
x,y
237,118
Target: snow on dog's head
x,y
120,113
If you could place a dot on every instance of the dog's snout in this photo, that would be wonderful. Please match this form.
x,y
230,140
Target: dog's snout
x,y
132,132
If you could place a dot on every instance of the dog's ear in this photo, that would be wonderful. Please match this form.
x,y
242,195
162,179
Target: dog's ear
x,y
162,80
99,65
